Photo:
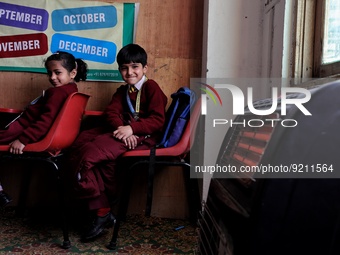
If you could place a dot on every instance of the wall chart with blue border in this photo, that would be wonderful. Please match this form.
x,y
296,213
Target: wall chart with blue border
x,y
91,30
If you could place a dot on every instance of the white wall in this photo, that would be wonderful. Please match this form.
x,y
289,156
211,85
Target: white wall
x,y
242,39
234,38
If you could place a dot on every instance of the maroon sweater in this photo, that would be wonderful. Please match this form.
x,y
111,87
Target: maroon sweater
x,y
38,118
151,114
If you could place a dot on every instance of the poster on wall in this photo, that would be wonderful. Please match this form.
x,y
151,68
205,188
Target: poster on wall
x,y
94,31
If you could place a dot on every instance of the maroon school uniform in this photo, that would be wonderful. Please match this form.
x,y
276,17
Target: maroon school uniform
x,y
93,155
37,118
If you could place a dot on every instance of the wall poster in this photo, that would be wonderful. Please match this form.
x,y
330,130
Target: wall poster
x,y
94,31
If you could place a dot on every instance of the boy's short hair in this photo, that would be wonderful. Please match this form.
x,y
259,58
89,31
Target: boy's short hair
x,y
132,53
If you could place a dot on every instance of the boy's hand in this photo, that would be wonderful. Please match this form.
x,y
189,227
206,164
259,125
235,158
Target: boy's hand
x,y
131,142
122,133
16,147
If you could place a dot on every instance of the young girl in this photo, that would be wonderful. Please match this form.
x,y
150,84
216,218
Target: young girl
x,y
63,70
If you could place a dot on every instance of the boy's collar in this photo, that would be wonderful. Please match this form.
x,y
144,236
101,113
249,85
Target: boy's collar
x,y
139,84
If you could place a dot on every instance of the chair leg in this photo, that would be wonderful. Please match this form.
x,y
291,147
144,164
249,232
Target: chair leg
x,y
193,195
149,197
113,243
151,173
24,191
62,204
122,209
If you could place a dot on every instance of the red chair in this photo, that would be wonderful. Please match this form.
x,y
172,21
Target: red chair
x,y
68,119
62,133
176,155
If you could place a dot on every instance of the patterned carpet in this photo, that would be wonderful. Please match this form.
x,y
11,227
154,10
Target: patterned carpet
x,y
40,233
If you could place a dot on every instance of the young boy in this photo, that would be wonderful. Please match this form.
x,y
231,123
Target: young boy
x,y
133,120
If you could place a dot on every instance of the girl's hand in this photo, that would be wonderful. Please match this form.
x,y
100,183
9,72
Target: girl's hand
x,y
16,147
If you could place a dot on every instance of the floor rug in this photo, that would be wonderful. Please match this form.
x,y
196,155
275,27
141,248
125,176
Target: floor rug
x,y
139,235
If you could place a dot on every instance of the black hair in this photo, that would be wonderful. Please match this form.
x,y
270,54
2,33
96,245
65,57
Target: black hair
x,y
132,53
69,62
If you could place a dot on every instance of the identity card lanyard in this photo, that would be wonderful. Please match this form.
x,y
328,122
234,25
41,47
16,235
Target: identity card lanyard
x,y
133,111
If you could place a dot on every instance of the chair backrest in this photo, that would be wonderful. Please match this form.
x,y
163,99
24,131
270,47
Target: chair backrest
x,y
65,128
177,116
184,144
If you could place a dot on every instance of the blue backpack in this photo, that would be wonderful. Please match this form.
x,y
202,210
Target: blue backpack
x,y
177,116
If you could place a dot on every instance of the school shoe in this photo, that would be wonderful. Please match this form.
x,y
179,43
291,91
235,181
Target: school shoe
x,y
4,199
98,225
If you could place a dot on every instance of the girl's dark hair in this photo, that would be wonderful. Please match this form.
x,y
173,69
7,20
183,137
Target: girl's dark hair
x,y
132,53
69,62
